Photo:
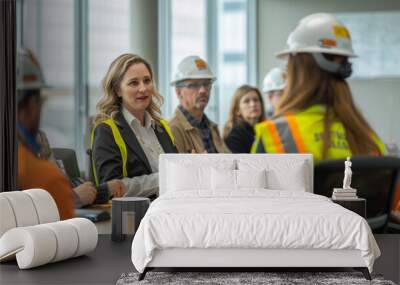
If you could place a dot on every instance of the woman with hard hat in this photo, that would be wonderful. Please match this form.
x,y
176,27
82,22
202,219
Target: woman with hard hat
x,y
247,109
273,85
317,113
129,133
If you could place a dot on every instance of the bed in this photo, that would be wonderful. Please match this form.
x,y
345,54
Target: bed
x,y
242,211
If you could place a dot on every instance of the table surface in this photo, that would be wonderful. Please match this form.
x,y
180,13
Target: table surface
x,y
103,227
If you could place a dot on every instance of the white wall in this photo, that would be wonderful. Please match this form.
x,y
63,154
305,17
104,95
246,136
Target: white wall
x,y
378,99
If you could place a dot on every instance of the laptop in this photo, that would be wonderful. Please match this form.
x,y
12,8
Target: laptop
x,y
66,160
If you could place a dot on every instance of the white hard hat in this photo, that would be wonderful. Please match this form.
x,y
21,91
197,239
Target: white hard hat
x,y
319,33
29,74
193,67
274,80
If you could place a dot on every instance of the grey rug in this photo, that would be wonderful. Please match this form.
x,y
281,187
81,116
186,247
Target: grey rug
x,y
226,278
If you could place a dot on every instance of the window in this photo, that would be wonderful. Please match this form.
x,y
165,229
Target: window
x,y
378,56
109,37
74,42
233,67
188,35
223,33
48,30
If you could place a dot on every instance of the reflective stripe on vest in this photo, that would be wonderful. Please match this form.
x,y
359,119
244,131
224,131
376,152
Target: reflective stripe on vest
x,y
296,134
290,145
278,136
121,145
119,142
165,125
301,133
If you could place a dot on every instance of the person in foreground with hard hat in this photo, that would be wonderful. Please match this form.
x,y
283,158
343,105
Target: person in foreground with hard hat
x,y
247,109
192,130
31,78
129,133
273,85
317,113
34,172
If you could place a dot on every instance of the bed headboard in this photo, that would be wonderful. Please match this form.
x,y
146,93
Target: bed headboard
x,y
287,166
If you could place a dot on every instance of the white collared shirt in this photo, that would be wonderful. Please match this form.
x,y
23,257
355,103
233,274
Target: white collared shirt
x,y
144,185
146,137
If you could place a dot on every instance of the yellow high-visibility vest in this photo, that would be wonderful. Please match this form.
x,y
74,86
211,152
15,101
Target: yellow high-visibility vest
x,y
303,133
121,145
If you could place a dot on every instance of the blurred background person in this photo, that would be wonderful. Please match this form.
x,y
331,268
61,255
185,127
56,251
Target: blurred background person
x,y
192,130
273,85
85,193
247,109
129,133
317,113
33,171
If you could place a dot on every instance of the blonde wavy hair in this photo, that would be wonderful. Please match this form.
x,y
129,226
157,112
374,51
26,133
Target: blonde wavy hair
x,y
233,117
110,104
307,84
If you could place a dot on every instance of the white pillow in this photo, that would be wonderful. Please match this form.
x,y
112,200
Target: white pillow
x,y
225,179
188,175
282,181
184,177
251,178
281,174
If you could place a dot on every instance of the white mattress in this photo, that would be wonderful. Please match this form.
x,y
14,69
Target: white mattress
x,y
256,218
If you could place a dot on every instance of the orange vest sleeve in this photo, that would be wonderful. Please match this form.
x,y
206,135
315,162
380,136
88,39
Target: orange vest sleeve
x,y
34,172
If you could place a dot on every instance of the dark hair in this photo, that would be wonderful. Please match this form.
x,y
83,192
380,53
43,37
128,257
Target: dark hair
x,y
25,96
233,118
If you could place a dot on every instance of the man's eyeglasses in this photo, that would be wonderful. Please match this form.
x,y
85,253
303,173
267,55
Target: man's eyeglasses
x,y
196,86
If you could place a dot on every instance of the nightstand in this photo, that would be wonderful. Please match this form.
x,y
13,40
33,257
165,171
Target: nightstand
x,y
357,205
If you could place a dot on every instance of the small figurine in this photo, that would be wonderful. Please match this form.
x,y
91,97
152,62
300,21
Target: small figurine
x,y
347,174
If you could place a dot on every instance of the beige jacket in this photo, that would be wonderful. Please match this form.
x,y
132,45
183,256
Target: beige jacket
x,y
188,137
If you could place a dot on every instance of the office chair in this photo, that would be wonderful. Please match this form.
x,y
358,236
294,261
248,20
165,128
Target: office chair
x,y
374,178
69,162
394,222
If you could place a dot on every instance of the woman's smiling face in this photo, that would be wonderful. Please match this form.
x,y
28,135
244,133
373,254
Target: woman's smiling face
x,y
136,88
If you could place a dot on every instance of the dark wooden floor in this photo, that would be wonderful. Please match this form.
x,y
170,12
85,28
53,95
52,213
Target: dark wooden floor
x,y
110,260
102,266
389,262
